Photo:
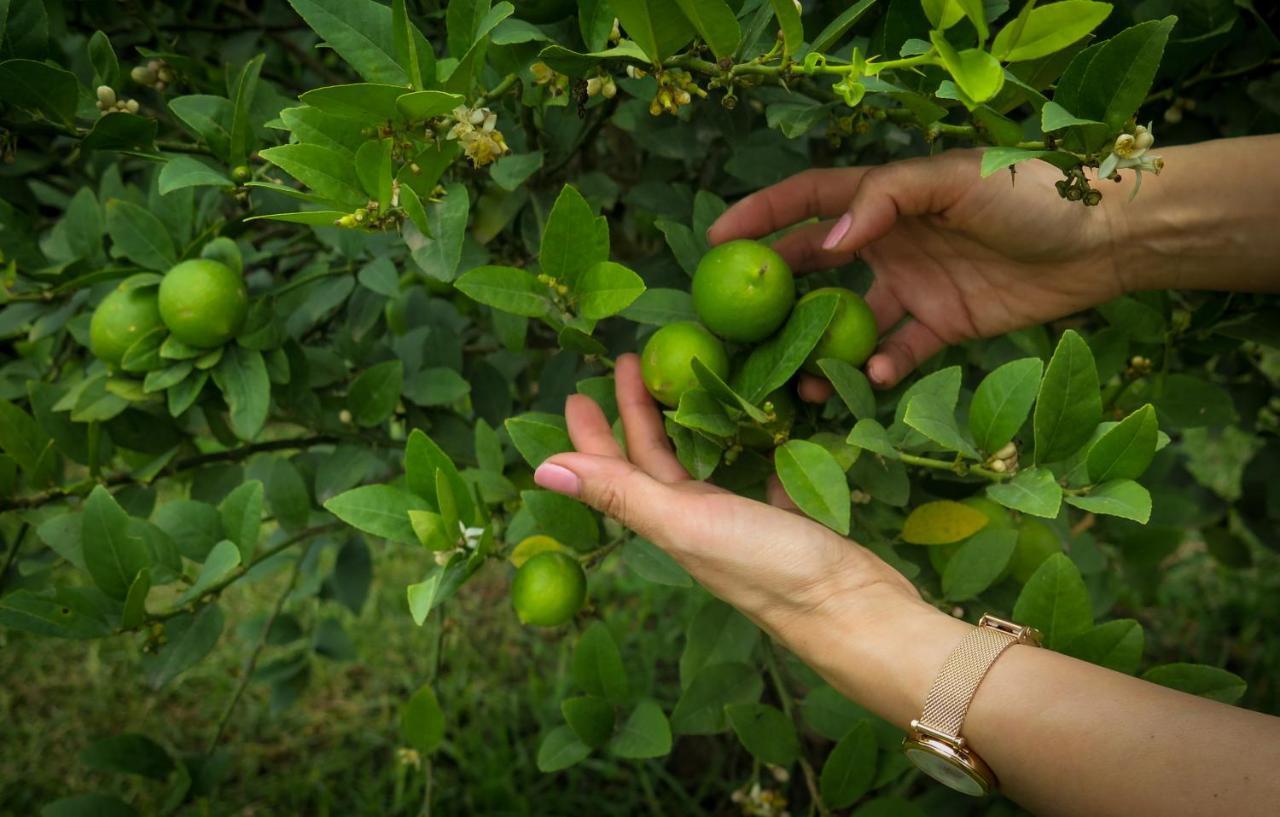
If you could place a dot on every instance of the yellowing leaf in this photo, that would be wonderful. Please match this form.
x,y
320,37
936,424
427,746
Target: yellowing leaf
x,y
941,523
531,546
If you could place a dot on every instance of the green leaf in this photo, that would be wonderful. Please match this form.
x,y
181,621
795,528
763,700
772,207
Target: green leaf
x,y
700,710
358,102
242,138
658,307
436,386
507,288
513,170
241,375
1055,601
1115,645
1002,401
241,515
850,769
22,439
373,169
837,28
1034,490
561,749
767,733
699,411
590,718
597,666
1186,401
323,169
652,564
40,87
942,522
1199,679
1055,117
717,634
721,391
134,612
576,64
121,131
852,386
63,615
646,732
715,23
1109,81
574,239
868,434
111,553
934,416
978,563
379,510
421,105
184,171
564,519
977,73
138,235
404,44
1118,497
1047,29
128,754
657,26
441,583
88,805
439,253
190,638
1068,406
942,14
208,117
422,721
374,394
606,288
224,558
1126,449
106,68
792,27
815,482
360,31
773,362
537,435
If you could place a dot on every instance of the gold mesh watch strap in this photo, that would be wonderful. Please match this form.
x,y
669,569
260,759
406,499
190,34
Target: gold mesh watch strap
x,y
948,700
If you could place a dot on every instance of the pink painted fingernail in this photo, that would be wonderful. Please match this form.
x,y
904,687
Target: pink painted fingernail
x,y
877,372
837,232
557,478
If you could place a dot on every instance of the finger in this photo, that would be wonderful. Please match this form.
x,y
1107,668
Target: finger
x,y
777,495
908,188
820,193
884,305
614,487
647,443
589,429
802,248
901,352
814,389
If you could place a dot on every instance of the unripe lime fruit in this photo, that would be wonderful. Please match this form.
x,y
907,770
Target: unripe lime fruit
x,y
549,589
666,364
123,316
997,517
851,336
203,303
743,291
1036,542
241,173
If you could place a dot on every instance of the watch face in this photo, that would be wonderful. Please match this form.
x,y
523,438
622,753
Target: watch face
x,y
949,772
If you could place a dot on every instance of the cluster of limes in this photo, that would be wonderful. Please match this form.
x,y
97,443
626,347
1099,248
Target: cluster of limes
x,y
743,292
201,303
550,586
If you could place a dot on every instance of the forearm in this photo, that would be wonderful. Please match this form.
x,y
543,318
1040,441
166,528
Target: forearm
x,y
1210,221
1064,737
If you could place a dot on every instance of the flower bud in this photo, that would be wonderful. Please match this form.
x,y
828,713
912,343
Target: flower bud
x,y
154,65
131,106
344,417
1173,114
141,75
999,466
1143,138
106,95
683,97
164,75
1008,451
593,86
1125,145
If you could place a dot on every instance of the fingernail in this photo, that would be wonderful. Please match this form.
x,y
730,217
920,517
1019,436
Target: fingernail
x,y
837,232
877,373
708,236
557,478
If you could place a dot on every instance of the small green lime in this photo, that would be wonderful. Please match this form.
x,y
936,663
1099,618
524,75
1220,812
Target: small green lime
x,y
743,291
123,316
203,302
549,589
1036,542
852,334
666,364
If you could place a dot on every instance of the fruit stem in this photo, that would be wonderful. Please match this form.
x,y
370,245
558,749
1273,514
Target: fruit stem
x,y
956,467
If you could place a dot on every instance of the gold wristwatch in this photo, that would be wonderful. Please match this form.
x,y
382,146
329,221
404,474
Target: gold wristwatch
x,y
934,744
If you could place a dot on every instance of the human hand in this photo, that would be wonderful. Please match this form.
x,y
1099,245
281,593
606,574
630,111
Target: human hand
x,y
958,256
776,566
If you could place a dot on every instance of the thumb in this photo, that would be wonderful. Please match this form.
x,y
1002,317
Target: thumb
x,y
612,486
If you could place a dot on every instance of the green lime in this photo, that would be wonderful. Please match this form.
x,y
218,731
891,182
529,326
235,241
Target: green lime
x,y
666,364
549,589
743,291
998,517
203,303
852,334
1036,542
123,316
783,407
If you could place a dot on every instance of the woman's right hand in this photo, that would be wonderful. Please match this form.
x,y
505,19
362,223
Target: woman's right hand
x,y
956,255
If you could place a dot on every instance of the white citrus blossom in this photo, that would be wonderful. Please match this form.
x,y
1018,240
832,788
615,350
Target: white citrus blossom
x,y
1130,152
475,129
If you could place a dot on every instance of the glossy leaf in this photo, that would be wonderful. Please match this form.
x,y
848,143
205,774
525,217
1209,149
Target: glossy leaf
x,y
1002,401
815,482
978,563
1118,497
1056,602
1068,406
1034,490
